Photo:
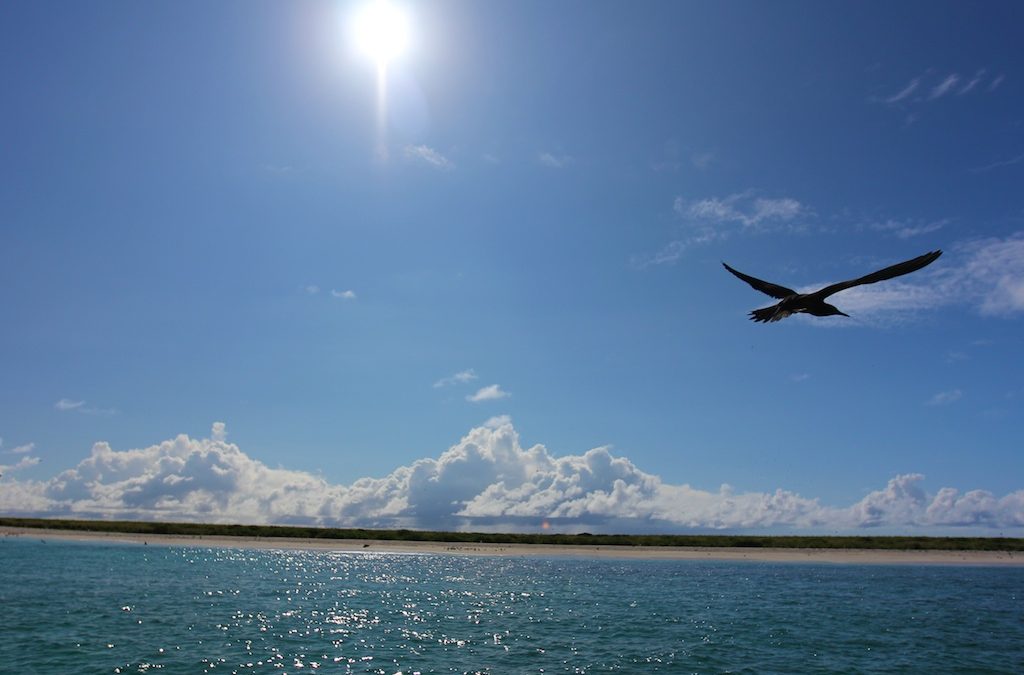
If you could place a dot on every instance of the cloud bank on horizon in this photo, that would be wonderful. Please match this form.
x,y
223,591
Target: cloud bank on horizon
x,y
487,481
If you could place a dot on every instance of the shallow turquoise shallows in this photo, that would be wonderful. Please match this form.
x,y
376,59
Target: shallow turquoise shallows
x,y
102,608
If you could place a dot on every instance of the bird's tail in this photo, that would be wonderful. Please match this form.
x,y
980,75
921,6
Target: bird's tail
x,y
767,314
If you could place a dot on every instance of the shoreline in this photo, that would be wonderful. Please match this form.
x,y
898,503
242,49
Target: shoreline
x,y
773,555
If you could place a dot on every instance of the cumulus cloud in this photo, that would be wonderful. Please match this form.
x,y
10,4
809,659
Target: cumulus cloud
x,y
22,449
491,392
485,481
461,377
23,463
429,156
344,295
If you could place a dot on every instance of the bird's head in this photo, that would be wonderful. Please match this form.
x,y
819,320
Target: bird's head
x,y
833,311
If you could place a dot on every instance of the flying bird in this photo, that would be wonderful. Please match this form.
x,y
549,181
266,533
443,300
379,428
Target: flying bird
x,y
814,303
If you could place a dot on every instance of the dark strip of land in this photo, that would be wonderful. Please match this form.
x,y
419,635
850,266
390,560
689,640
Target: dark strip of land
x,y
1009,544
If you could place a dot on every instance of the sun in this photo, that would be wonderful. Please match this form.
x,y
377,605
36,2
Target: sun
x,y
382,31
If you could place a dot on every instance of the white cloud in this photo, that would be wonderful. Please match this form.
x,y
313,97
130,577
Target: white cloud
x,y
972,83
23,463
461,377
944,87
905,92
497,421
912,96
945,397
743,208
486,480
22,449
312,289
995,165
68,405
908,229
491,392
427,155
668,255
554,161
344,295
984,274
715,218
219,432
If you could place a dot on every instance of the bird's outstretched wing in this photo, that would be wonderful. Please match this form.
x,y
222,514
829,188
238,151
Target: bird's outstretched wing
x,y
766,287
899,269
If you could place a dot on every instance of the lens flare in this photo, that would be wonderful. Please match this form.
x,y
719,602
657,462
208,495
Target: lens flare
x,y
382,31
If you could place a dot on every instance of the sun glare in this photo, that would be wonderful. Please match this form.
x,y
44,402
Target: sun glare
x,y
382,31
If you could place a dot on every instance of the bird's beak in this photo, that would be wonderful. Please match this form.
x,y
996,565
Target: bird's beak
x,y
845,314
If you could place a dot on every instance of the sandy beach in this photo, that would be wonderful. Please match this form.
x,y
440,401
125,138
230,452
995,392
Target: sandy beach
x,y
838,556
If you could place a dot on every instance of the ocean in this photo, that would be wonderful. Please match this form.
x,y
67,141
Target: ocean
x,y
69,607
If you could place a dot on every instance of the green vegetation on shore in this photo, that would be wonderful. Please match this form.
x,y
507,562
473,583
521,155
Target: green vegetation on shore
x,y
707,540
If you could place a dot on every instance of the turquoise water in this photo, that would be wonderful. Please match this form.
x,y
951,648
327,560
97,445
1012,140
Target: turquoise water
x,y
100,608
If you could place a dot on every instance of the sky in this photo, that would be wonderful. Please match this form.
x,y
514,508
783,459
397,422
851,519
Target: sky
x,y
251,273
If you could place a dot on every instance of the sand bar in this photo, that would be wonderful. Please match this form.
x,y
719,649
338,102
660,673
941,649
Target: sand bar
x,y
816,555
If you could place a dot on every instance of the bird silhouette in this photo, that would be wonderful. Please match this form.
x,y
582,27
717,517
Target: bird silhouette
x,y
814,303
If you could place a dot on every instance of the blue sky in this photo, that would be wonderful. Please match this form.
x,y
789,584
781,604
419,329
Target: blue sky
x,y
206,216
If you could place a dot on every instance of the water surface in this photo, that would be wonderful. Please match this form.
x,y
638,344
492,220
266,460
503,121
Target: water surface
x,y
109,608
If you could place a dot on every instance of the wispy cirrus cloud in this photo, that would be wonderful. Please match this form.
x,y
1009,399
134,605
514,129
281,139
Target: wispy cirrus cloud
x,y
905,229
461,377
905,92
70,405
972,83
343,295
984,275
491,392
554,161
743,208
944,87
998,164
929,87
485,481
945,397
716,218
427,155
